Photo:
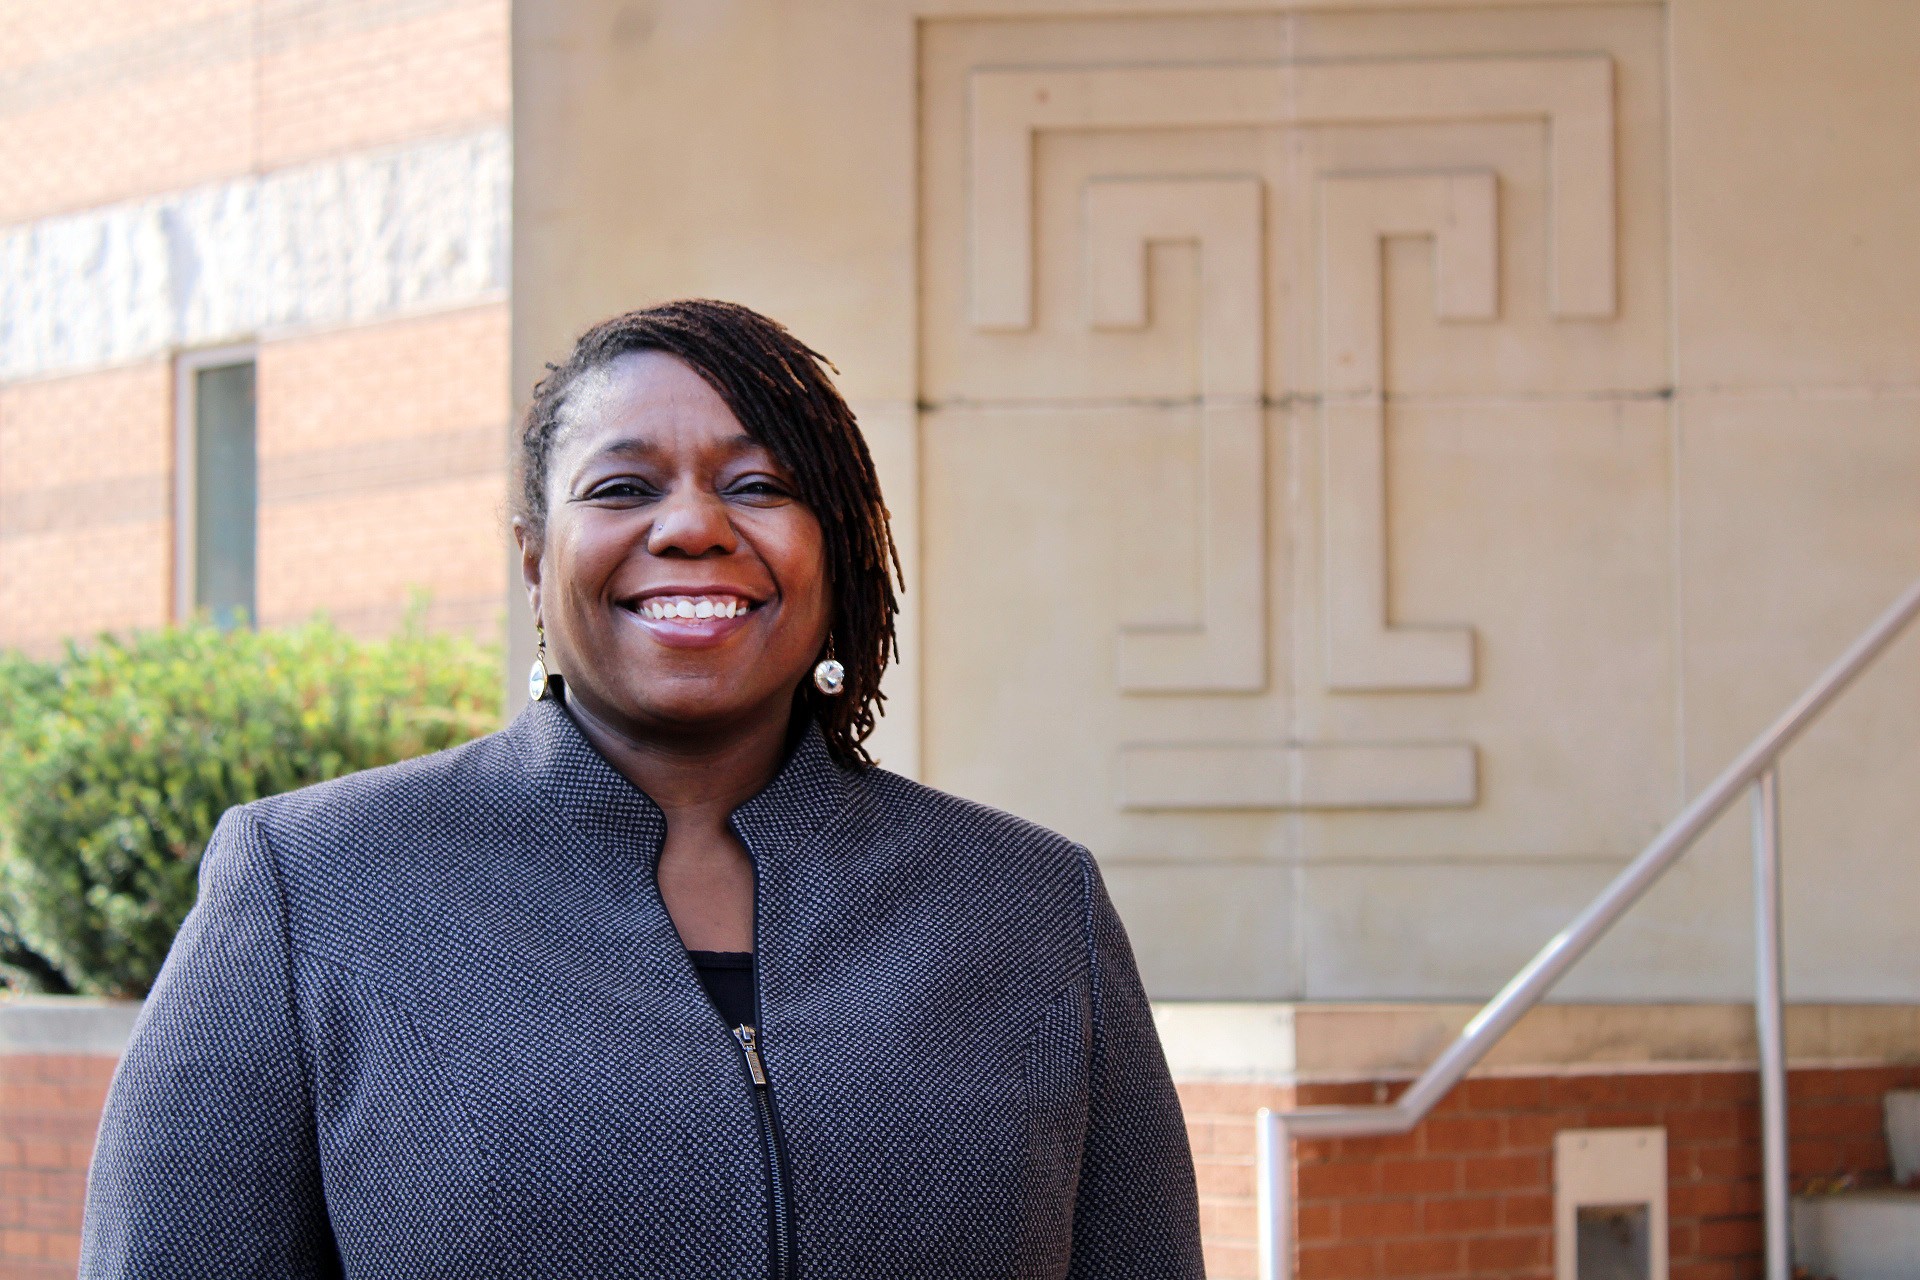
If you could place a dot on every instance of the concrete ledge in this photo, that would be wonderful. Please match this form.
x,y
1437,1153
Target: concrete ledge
x,y
66,1026
1858,1235
1325,1043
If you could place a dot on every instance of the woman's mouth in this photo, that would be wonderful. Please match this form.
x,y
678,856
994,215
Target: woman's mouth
x,y
691,621
662,608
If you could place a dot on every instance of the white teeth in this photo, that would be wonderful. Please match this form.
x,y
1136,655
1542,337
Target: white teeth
x,y
660,607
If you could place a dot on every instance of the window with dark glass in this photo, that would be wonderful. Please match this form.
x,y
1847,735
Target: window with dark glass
x,y
225,487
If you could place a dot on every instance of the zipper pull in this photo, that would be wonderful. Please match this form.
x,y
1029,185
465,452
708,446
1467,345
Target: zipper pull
x,y
749,1042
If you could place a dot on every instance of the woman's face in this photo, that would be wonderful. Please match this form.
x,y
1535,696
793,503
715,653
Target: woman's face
x,y
682,583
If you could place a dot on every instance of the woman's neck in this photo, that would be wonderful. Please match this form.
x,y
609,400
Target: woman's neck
x,y
704,873
698,780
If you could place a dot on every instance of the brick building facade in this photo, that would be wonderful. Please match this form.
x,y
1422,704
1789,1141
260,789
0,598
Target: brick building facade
x,y
319,190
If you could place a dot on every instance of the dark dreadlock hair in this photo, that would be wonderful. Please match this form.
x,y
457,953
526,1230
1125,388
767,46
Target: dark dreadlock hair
x,y
778,388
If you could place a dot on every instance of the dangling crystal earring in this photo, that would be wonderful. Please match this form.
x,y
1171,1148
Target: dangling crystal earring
x,y
829,677
537,678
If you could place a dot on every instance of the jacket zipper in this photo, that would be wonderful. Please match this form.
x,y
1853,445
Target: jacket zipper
x,y
780,1223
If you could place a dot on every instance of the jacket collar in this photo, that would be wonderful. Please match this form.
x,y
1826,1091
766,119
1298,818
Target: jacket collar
x,y
587,794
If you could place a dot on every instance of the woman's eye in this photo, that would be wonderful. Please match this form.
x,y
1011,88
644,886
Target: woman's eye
x,y
760,487
620,489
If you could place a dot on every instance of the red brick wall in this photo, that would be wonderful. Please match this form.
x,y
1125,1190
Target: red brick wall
x,y
117,98
383,472
49,1110
1469,1193
85,504
351,75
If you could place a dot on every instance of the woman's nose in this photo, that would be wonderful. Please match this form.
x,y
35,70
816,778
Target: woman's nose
x,y
691,525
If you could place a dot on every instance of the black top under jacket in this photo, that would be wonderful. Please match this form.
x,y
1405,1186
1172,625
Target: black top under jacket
x,y
728,978
433,1020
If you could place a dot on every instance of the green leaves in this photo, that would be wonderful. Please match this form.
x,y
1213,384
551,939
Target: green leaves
x,y
117,760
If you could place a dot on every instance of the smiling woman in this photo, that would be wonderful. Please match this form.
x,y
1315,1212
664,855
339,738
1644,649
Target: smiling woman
x,y
768,415
666,979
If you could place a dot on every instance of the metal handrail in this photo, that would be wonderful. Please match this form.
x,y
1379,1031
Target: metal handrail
x,y
1755,768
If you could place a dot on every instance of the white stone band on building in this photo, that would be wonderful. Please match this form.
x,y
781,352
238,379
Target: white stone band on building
x,y
344,241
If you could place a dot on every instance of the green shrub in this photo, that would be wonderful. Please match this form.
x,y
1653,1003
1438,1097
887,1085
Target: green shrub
x,y
117,760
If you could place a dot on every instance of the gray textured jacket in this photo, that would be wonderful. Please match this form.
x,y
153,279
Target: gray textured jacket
x,y
433,1020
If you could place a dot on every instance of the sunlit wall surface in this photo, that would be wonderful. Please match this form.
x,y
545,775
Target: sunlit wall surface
x,y
1365,464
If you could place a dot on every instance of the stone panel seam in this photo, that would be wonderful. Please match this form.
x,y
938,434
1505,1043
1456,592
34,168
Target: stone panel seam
x,y
1310,400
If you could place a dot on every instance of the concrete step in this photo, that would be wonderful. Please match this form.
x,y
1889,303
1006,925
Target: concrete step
x,y
1858,1235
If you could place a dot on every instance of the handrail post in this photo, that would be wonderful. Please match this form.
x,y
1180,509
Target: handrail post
x,y
1273,1196
1769,1022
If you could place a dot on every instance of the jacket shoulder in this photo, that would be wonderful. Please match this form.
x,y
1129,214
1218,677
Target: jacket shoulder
x,y
952,822
430,792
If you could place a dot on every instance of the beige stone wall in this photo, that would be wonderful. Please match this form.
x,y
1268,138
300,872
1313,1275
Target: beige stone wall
x,y
1366,464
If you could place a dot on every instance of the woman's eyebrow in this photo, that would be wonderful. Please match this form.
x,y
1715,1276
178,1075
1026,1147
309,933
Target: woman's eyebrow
x,y
626,447
640,447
